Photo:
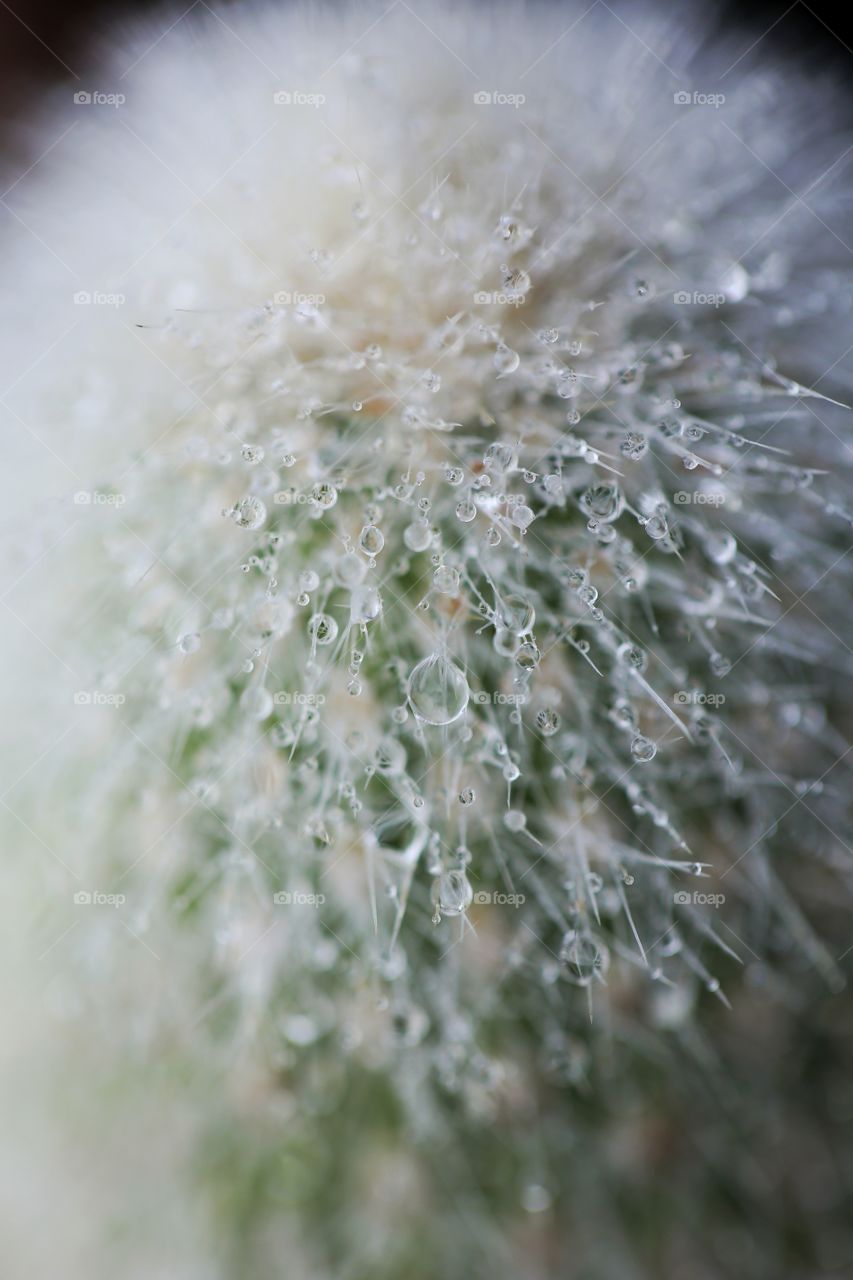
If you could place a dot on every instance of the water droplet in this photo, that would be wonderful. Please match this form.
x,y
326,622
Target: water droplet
x,y
514,820
249,513
516,614
190,643
452,893
547,722
719,664
322,628
643,749
417,535
527,657
536,1198
365,604
466,511
371,540
632,656
604,501
634,446
252,453
583,957
499,457
505,361
467,796
446,580
656,527
521,516
438,690
325,495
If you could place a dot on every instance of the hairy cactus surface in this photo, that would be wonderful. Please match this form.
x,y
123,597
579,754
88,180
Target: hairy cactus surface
x,y
434,658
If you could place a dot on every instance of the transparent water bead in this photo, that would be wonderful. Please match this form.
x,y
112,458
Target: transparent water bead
x,y
643,749
452,894
499,457
438,690
371,540
720,547
417,535
634,446
249,513
605,501
583,957
446,580
516,614
323,628
506,361
325,495
365,605
190,643
521,516
547,722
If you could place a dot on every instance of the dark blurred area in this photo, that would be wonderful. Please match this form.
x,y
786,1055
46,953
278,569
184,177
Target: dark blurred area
x,y
43,40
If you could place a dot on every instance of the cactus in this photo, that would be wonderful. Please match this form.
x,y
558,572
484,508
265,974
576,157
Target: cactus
x,y
445,616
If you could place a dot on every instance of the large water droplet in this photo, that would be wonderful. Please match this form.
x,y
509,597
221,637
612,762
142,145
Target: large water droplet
x,y
438,690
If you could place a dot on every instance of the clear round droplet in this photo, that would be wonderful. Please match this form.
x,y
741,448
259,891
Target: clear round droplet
x,y
417,535
371,540
643,749
438,690
322,628
249,513
446,580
